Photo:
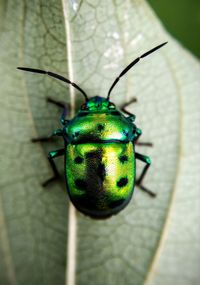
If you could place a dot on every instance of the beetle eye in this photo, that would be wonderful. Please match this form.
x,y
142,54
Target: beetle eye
x,y
111,106
84,107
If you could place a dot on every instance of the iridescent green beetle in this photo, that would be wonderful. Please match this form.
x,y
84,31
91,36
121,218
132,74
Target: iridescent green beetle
x,y
99,152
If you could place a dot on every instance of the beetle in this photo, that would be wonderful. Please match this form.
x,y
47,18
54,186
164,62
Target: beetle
x,y
99,150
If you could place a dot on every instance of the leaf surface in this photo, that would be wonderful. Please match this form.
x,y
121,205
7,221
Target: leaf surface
x,y
42,239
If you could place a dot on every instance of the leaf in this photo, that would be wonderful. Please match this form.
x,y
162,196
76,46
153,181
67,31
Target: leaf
x,y
152,241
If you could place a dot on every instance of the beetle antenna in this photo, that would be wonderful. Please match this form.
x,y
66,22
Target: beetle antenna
x,y
131,65
57,76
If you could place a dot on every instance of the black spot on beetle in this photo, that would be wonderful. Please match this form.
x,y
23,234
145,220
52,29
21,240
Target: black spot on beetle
x,y
78,160
122,182
81,184
101,172
123,158
91,154
85,203
100,127
125,133
75,134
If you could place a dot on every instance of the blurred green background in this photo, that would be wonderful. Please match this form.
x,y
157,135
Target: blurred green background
x,y
182,19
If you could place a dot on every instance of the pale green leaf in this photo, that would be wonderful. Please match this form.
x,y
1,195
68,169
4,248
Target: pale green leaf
x,y
43,240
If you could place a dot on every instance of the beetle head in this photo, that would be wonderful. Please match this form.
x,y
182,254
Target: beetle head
x,y
98,103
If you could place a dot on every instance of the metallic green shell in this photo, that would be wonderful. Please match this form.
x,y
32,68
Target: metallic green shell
x,y
100,159
100,177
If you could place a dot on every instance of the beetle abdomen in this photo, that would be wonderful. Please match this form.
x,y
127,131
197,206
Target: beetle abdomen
x,y
100,176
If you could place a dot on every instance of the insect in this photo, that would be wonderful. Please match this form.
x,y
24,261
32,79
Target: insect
x,y
99,151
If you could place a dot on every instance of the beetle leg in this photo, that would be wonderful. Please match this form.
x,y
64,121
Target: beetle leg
x,y
132,119
123,109
138,134
62,105
144,143
62,120
147,160
51,156
41,139
58,132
